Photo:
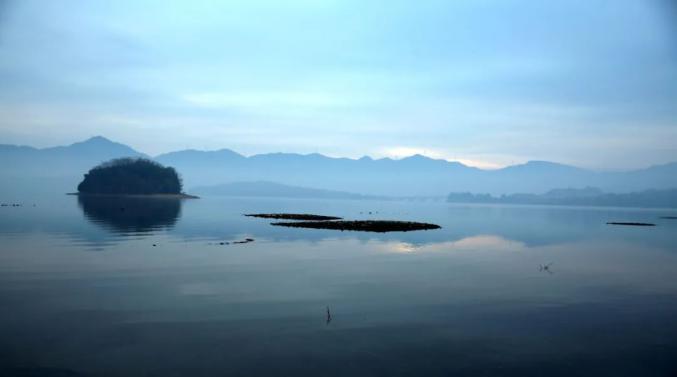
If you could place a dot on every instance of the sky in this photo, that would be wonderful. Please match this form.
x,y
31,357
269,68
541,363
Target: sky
x,y
591,83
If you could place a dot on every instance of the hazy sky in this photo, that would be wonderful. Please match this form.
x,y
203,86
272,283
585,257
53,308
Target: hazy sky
x,y
591,83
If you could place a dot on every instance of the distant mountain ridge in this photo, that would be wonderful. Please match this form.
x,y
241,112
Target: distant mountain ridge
x,y
589,196
62,160
411,176
28,171
276,190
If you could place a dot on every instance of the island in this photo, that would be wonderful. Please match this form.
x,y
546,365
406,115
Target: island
x,y
132,177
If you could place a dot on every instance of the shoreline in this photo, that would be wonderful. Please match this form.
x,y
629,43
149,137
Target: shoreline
x,y
150,196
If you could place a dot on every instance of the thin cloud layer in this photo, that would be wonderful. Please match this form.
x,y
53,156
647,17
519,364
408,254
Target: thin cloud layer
x,y
590,83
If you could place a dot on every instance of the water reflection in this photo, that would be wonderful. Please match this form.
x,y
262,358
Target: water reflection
x,y
111,221
481,296
131,214
472,243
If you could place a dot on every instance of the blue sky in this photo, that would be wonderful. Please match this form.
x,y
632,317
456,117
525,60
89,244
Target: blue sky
x,y
591,83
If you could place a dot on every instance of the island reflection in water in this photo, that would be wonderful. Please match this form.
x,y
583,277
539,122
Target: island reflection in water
x,y
131,214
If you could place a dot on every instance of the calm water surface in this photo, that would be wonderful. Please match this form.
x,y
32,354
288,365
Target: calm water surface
x,y
143,288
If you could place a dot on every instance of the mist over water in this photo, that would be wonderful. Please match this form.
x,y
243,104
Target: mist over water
x,y
90,289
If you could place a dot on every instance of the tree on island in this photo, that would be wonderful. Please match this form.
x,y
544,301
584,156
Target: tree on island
x,y
132,176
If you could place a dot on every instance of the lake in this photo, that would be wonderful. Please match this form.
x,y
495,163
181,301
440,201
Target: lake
x,y
92,287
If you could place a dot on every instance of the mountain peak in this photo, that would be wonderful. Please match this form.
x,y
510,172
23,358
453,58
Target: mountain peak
x,y
96,140
416,157
101,146
540,165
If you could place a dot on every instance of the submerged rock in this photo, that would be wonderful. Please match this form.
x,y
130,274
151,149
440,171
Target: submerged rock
x,y
631,224
292,216
380,226
246,240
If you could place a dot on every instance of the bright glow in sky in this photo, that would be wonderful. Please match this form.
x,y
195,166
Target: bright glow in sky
x,y
586,82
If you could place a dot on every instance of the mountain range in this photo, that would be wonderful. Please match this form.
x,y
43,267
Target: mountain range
x,y
588,196
272,189
27,169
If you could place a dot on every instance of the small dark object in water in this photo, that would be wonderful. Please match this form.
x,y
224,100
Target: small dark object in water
x,y
154,245
328,315
632,224
380,226
246,240
292,216
545,268
669,217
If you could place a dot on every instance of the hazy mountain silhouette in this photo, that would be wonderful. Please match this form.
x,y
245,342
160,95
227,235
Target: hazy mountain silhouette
x,y
275,190
61,168
589,196
412,176
27,171
416,175
59,161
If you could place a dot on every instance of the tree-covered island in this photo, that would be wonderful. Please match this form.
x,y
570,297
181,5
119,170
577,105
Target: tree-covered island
x,y
132,176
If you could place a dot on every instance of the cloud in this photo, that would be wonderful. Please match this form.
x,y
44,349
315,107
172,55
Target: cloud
x,y
488,83
260,100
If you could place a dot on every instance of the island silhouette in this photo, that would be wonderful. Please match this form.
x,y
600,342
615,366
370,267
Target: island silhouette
x,y
132,176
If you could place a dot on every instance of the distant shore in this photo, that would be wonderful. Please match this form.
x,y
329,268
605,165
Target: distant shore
x,y
158,196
